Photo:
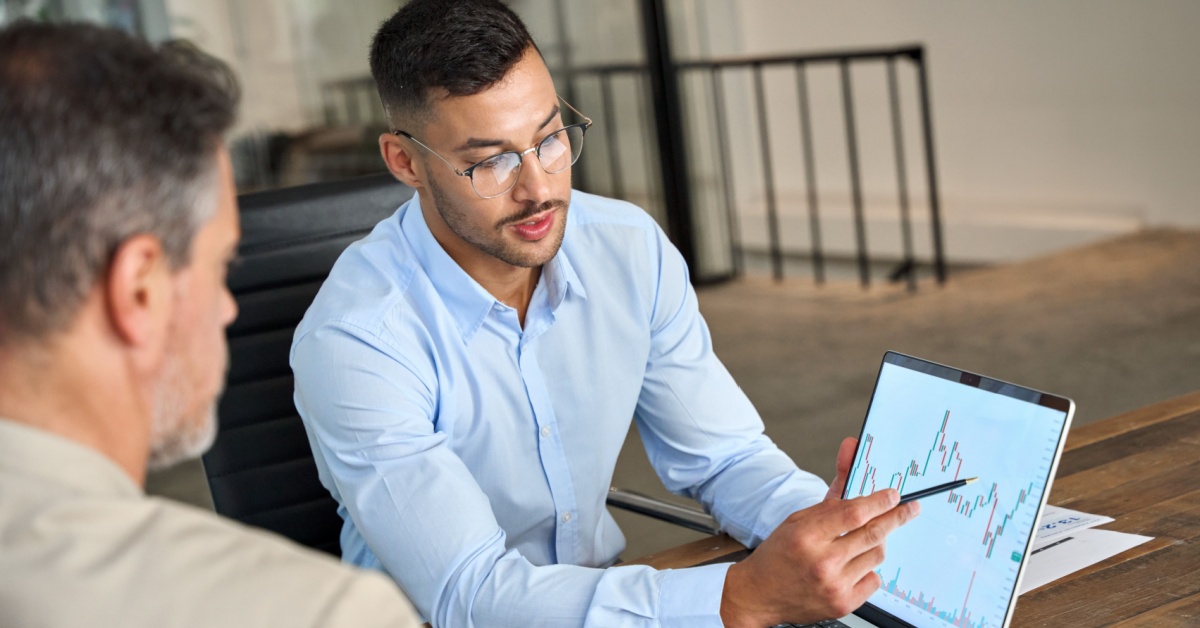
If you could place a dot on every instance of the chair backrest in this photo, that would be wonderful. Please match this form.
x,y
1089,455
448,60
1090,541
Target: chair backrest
x,y
261,470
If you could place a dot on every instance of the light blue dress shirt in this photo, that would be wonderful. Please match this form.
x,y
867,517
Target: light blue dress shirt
x,y
471,458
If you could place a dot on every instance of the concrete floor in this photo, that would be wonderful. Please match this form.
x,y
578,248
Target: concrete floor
x,y
1114,326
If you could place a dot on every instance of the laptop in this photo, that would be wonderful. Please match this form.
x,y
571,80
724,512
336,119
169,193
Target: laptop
x,y
961,561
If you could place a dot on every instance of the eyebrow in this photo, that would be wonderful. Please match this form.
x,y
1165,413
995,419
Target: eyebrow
x,y
476,142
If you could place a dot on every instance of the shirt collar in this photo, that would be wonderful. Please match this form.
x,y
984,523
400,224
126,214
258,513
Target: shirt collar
x,y
560,277
466,300
26,451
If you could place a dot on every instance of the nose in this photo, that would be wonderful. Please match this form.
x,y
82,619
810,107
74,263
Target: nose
x,y
533,182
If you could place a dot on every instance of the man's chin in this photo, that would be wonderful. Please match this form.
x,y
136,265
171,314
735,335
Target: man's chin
x,y
532,259
182,440
526,254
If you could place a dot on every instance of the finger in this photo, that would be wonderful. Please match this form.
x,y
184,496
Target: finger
x,y
869,584
857,594
852,514
876,531
865,562
819,512
845,458
846,454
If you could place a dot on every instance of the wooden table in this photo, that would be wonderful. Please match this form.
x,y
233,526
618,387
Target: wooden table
x,y
1141,468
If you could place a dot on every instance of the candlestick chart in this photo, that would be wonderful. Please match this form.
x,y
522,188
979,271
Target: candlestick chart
x,y
863,475
957,563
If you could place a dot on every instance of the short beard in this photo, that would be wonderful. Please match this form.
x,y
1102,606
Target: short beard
x,y
493,244
174,436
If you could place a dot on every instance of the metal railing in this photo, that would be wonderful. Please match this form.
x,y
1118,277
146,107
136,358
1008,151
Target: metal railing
x,y
354,102
715,70
603,79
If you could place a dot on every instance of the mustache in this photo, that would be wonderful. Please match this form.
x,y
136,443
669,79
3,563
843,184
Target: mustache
x,y
531,211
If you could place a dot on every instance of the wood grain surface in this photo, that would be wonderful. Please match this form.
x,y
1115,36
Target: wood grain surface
x,y
1143,469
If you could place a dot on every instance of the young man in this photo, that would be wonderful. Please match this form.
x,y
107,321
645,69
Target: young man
x,y
119,220
469,372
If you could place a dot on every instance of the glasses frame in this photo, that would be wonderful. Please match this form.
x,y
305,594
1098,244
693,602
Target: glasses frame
x,y
536,148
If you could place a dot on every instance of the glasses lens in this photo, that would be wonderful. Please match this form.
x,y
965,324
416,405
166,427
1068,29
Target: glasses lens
x,y
495,175
558,151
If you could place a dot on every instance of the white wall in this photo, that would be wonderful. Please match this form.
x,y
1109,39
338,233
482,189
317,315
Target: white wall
x,y
1055,122
283,51
255,39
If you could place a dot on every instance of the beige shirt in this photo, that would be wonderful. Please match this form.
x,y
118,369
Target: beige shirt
x,y
81,545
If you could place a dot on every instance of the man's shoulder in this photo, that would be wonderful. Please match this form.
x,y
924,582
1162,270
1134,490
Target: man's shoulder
x,y
264,569
369,280
593,209
611,232
107,554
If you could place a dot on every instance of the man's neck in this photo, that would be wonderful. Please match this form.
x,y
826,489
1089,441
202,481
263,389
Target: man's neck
x,y
516,291
55,390
510,285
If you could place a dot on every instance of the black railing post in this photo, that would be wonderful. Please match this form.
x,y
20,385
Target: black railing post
x,y
735,238
764,140
564,50
351,101
329,107
909,263
810,176
668,140
579,175
654,187
935,212
860,226
664,84
610,136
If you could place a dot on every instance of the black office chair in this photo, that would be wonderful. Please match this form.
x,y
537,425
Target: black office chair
x,y
261,471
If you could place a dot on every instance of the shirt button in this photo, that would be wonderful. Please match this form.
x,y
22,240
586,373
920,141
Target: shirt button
x,y
567,518
546,431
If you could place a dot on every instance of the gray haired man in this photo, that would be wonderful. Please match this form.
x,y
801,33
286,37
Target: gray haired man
x,y
118,221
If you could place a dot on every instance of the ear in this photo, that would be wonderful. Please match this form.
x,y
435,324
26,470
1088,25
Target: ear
x,y
137,290
400,156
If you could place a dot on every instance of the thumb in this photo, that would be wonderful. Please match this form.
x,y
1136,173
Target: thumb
x,y
845,458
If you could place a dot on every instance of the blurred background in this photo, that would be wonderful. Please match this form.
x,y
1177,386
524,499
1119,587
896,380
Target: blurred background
x,y
1010,187
1053,123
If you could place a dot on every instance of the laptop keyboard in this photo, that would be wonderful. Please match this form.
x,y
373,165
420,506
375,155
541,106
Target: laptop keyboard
x,y
828,623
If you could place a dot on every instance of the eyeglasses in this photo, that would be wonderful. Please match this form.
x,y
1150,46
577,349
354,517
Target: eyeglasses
x,y
498,174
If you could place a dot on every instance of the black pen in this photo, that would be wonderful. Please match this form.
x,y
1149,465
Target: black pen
x,y
940,488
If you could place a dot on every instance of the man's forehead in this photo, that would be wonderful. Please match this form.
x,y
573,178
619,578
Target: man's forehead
x,y
516,105
462,121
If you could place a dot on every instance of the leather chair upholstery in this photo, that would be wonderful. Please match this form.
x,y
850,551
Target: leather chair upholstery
x,y
261,470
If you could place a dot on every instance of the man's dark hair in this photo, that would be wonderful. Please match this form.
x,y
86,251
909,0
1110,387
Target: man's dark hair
x,y
102,137
460,46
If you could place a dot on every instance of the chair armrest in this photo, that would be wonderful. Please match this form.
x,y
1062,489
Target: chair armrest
x,y
691,518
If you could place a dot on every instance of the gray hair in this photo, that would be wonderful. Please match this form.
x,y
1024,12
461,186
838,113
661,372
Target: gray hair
x,y
102,137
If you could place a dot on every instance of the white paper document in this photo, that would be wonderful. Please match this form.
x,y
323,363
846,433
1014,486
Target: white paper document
x,y
1058,522
1064,544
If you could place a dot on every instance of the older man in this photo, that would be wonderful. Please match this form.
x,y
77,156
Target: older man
x,y
118,220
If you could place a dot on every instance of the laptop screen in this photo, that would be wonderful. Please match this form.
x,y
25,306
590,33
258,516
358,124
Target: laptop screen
x,y
958,562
